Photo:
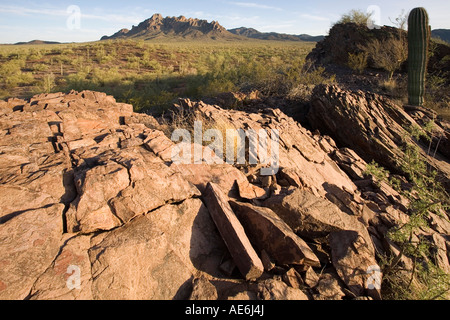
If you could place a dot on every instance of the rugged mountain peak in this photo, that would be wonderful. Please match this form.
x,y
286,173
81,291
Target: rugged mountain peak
x,y
157,26
156,16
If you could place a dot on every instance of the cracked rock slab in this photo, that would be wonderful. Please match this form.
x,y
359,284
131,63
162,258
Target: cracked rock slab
x,y
96,186
69,275
28,244
155,256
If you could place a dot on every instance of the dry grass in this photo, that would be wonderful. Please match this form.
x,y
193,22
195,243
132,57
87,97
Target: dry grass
x,y
151,75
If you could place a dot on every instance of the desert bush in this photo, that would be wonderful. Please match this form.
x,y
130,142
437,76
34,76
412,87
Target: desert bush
x,y
40,67
77,81
106,77
134,62
12,75
47,84
355,16
140,44
20,79
388,54
312,75
78,61
423,279
401,22
34,54
11,67
153,64
67,51
186,120
390,85
65,59
357,61
4,94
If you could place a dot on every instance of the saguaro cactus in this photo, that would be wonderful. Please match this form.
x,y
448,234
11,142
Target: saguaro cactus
x,y
418,39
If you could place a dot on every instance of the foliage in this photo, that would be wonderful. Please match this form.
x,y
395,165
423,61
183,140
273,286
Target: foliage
x,y
357,61
355,16
401,22
388,54
379,173
422,280
47,83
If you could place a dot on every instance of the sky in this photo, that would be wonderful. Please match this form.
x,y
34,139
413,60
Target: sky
x,y
88,20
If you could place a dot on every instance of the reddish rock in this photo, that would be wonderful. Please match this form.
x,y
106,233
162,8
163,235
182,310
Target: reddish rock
x,y
268,232
233,233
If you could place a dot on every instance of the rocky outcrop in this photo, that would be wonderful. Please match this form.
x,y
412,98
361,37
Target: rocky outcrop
x,y
373,126
92,206
80,189
345,38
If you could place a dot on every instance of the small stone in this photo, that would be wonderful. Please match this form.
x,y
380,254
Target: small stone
x,y
311,278
293,279
203,290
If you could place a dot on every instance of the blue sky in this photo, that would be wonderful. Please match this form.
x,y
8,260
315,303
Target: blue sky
x,y
58,20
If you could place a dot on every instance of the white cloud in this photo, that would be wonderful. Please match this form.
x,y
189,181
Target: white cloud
x,y
254,5
116,18
28,11
276,27
313,17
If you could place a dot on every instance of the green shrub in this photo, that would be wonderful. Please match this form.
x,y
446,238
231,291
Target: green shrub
x,y
357,61
40,67
11,67
106,77
388,54
134,62
34,54
19,79
355,16
67,51
12,75
46,84
423,280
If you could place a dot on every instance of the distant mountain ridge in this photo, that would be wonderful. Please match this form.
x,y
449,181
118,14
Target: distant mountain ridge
x,y
255,34
158,27
37,42
443,34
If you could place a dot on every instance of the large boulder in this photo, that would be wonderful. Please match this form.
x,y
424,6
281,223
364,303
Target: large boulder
x,y
312,216
344,38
